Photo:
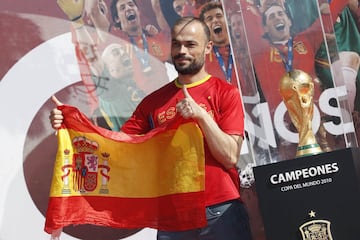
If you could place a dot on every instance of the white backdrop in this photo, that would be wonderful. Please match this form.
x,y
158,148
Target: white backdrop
x,y
41,73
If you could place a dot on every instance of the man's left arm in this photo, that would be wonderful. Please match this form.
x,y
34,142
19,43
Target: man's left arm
x,y
224,147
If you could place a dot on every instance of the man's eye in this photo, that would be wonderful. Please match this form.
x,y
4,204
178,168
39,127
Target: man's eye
x,y
178,8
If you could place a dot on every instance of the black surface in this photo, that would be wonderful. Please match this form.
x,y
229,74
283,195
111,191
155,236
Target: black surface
x,y
334,197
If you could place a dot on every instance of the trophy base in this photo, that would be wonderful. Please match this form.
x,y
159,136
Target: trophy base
x,y
319,194
308,150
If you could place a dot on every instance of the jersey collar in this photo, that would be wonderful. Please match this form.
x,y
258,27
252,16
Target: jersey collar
x,y
177,84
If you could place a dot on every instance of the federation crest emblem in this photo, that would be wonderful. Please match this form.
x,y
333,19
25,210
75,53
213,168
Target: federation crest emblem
x,y
300,48
316,229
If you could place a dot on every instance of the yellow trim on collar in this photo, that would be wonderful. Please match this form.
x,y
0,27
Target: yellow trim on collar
x,y
192,84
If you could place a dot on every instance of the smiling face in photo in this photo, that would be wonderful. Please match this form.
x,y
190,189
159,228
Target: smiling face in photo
x,y
277,24
128,15
215,20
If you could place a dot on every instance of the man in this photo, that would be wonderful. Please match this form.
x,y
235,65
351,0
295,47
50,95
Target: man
x,y
111,75
271,48
179,6
118,95
220,62
149,53
347,39
276,50
216,107
242,57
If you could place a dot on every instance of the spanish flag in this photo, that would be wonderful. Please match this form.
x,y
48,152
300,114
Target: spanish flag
x,y
124,181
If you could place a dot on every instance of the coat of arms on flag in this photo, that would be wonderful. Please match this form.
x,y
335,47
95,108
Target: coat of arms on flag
x,y
85,166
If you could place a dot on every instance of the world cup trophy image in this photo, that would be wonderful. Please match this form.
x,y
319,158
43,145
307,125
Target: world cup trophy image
x,y
297,91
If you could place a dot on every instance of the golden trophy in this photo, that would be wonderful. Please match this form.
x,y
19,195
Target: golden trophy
x,y
297,91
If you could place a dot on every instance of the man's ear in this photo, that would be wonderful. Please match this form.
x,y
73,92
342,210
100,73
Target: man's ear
x,y
208,47
266,30
290,23
118,23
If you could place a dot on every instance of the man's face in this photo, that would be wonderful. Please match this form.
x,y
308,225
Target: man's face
x,y
188,48
215,20
178,6
277,24
117,61
102,7
237,29
128,15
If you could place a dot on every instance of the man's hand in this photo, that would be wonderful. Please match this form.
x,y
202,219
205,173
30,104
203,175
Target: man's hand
x,y
72,8
188,108
56,117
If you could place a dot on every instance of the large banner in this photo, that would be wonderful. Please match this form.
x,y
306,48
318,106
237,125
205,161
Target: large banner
x,y
285,36
105,56
275,40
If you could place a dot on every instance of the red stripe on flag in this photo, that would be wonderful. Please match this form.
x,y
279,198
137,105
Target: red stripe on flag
x,y
172,212
79,122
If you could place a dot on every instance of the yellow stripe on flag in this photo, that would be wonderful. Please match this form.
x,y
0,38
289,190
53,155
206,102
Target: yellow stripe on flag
x,y
90,164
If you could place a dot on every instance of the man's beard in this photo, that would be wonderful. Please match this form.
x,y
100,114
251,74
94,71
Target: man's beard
x,y
194,67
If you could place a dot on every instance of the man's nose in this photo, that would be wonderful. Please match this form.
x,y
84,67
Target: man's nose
x,y
182,49
127,7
